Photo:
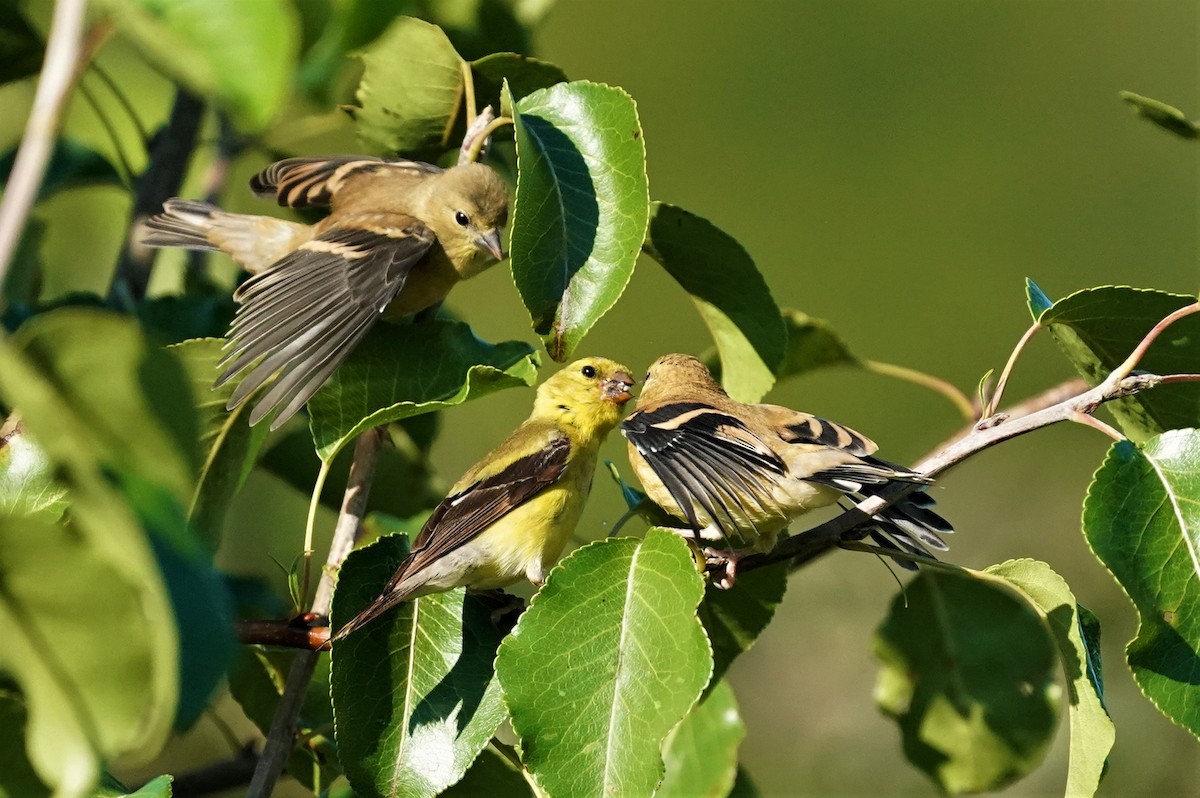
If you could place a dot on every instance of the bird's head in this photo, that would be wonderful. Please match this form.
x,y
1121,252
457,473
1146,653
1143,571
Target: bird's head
x,y
468,214
675,373
589,394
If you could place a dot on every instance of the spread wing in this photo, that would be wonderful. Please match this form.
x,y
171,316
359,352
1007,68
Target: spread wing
x,y
313,182
706,458
303,316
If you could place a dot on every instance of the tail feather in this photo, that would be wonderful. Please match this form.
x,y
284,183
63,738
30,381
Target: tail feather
x,y
184,223
372,611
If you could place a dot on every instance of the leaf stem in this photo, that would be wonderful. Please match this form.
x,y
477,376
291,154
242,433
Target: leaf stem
x,y
994,402
481,138
946,389
468,91
1079,417
313,502
64,54
281,736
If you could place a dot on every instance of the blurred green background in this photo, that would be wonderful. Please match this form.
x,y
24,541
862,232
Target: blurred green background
x,y
896,168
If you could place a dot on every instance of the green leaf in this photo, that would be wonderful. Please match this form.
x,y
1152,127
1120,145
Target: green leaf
x,y
27,484
1140,518
581,207
1163,115
744,786
411,90
968,674
243,53
72,165
1039,303
524,75
17,776
608,658
228,443
491,776
344,27
701,753
20,45
1077,633
158,787
79,642
415,698
731,295
734,618
402,371
1098,328
812,345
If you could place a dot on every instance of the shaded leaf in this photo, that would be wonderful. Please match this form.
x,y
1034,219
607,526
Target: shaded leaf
x,y
228,443
701,753
72,165
1140,518
524,75
415,698
812,344
27,483
1077,633
411,91
17,776
968,674
581,207
242,53
730,293
178,318
1163,115
491,776
1039,303
345,27
744,786
1098,328
734,618
20,45
606,660
401,371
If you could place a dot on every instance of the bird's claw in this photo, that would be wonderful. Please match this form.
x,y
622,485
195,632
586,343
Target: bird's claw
x,y
721,565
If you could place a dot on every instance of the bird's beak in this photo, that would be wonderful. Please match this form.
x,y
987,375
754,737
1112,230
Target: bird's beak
x,y
490,242
616,388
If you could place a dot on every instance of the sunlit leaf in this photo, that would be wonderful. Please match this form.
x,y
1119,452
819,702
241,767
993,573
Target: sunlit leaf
x,y
1141,520
1077,633
701,753
968,672
27,484
415,698
730,293
1163,115
606,660
242,53
401,371
581,207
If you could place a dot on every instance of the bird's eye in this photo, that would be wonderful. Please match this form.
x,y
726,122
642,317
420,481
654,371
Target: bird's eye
x,y
588,371
462,219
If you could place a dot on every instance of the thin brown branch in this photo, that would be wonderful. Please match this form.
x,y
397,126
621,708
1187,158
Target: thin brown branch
x,y
64,54
284,634
281,737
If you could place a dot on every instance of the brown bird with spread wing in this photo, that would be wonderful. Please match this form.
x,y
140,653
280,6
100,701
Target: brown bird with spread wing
x,y
400,234
745,471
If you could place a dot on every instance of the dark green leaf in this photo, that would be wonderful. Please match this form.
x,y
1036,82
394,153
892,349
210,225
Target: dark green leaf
x,y
812,344
20,44
27,484
405,370
174,319
744,786
968,673
1039,303
491,776
1163,115
242,53
1140,518
1098,328
1077,633
17,776
228,443
411,90
72,165
731,295
415,698
701,753
346,27
735,618
581,208
608,658
23,283
525,75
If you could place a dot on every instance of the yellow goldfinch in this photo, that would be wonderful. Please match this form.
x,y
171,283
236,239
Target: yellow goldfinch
x,y
735,470
510,515
399,235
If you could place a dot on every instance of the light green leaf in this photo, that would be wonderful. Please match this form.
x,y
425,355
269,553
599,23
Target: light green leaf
x,y
1141,519
701,753
405,370
812,344
734,618
228,443
1077,633
731,295
581,208
1098,328
241,52
1165,116
415,698
27,484
411,91
968,674
608,658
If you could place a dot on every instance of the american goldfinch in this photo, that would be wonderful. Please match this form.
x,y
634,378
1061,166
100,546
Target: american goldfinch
x,y
399,235
510,515
733,470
